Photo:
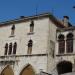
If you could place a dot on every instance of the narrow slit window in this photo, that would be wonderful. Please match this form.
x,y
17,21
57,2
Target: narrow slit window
x,y
12,30
6,49
30,44
10,49
14,48
32,26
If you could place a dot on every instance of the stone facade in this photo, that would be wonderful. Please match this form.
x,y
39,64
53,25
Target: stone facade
x,y
38,57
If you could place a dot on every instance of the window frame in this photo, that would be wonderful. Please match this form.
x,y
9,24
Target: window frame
x,y
61,44
69,43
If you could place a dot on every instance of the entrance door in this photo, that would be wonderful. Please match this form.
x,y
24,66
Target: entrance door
x,y
7,71
64,67
28,70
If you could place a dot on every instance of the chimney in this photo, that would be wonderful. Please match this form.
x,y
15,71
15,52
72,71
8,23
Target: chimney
x,y
66,20
22,16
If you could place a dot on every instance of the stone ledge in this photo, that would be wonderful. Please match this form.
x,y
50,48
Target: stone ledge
x,y
68,54
7,56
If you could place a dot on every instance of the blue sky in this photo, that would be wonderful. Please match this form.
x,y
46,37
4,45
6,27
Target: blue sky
x,y
11,9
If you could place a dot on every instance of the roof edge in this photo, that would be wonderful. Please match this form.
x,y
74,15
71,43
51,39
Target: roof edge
x,y
25,18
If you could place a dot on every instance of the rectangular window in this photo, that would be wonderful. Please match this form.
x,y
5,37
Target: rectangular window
x,y
61,47
69,46
52,47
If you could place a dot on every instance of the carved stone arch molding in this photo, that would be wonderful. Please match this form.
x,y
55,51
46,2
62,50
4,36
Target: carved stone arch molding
x,y
7,71
27,70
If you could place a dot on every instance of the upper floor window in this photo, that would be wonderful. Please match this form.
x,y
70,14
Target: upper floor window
x,y
52,48
32,26
69,43
61,43
30,44
12,30
6,49
10,49
14,48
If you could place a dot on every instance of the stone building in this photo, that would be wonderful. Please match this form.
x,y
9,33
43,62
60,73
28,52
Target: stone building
x,y
37,44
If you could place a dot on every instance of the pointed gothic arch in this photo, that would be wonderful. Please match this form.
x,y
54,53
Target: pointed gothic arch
x,y
30,44
12,30
10,49
6,49
27,70
7,71
14,48
32,26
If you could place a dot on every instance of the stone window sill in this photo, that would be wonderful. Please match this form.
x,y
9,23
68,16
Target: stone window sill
x,y
11,36
30,33
67,54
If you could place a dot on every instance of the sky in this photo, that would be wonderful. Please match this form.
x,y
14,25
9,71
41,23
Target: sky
x,y
12,9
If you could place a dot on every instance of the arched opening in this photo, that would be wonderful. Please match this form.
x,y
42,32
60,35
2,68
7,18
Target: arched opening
x,y
61,43
14,48
64,67
32,26
10,49
69,43
30,44
7,71
28,70
12,30
6,49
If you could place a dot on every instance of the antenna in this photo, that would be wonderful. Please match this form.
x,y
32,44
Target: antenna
x,y
37,3
52,11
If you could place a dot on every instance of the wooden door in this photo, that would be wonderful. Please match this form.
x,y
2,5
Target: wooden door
x,y
28,70
7,71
